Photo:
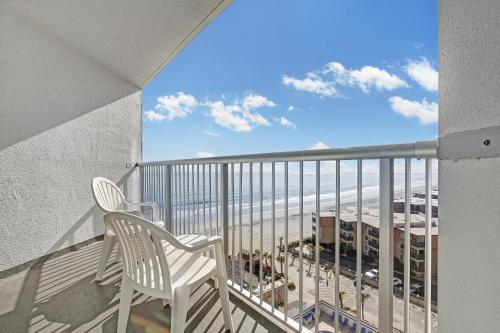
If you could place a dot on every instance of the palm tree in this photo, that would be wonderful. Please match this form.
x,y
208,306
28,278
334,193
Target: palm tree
x,y
310,248
294,256
281,260
327,268
341,299
364,297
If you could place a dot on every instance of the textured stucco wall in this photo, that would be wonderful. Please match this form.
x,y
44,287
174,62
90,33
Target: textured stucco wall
x,y
64,118
45,198
469,212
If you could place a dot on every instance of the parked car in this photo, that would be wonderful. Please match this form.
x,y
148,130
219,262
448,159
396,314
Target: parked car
x,y
372,274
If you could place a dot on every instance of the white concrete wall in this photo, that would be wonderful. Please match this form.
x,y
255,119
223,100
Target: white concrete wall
x,y
64,119
469,212
45,198
44,82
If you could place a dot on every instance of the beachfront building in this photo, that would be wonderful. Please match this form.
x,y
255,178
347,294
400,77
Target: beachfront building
x,y
370,237
417,204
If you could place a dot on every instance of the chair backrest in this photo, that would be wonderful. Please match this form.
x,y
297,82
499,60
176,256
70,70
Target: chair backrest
x,y
144,260
107,194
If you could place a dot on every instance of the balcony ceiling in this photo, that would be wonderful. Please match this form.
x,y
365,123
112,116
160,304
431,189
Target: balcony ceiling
x,y
61,59
133,39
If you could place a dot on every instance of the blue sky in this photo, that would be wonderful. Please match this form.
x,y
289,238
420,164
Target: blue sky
x,y
270,76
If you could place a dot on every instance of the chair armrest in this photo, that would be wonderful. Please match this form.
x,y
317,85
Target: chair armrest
x,y
193,248
154,207
204,244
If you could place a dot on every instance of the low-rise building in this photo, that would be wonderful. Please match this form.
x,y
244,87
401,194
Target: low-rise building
x,y
370,236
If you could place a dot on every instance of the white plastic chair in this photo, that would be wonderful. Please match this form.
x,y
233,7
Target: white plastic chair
x,y
157,264
109,198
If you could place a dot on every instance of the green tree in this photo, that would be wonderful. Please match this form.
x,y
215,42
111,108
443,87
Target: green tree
x,y
310,249
364,297
341,299
281,260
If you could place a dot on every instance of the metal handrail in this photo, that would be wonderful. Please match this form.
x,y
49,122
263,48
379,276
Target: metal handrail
x,y
418,150
172,182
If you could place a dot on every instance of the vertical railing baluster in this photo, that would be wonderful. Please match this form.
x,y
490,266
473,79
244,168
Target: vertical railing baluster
x,y
406,254
193,205
174,198
337,246
168,206
250,180
184,200
301,243
204,204
386,240
145,195
240,215
216,199
210,198
179,198
316,245
285,232
261,227
225,207
359,245
198,198
428,245
273,232
233,264
188,202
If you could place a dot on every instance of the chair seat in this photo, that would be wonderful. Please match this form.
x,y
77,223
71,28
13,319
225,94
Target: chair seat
x,y
187,268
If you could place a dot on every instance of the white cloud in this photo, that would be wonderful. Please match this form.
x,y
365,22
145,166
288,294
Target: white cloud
x,y
424,74
210,132
240,116
176,106
154,116
285,122
426,112
204,154
229,116
311,83
369,77
291,108
253,101
319,145
326,81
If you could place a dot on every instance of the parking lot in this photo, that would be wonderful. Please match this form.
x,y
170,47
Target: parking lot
x,y
327,293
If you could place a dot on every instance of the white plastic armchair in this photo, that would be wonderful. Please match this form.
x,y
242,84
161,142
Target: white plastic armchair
x,y
110,198
169,272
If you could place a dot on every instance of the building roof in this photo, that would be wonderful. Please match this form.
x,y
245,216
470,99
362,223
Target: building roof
x,y
371,217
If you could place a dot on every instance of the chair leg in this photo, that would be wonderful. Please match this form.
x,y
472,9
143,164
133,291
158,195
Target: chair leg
x,y
125,303
222,284
226,306
214,256
107,247
180,303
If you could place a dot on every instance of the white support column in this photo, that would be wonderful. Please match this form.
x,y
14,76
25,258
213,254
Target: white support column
x,y
469,188
386,240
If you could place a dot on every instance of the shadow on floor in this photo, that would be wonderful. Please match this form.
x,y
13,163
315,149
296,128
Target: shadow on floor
x,y
60,295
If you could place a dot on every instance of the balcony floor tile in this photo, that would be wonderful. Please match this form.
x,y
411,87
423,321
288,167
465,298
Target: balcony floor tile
x,y
59,295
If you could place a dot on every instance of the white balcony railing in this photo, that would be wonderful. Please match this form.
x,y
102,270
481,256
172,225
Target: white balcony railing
x,y
246,198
